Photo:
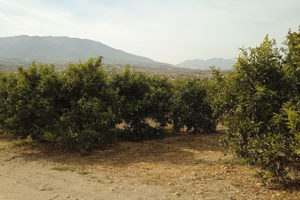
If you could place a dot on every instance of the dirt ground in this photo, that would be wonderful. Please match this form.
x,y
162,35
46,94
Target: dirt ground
x,y
179,167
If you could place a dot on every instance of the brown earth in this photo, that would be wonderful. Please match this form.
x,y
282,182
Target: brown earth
x,y
179,167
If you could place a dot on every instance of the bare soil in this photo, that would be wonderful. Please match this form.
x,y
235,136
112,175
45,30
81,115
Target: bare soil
x,y
179,167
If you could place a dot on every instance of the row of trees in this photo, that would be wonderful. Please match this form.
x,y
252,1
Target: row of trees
x,y
81,106
259,103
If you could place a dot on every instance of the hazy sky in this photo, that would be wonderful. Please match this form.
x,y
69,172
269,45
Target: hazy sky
x,y
164,30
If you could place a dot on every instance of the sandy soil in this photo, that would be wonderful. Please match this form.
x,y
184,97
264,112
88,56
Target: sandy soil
x,y
179,167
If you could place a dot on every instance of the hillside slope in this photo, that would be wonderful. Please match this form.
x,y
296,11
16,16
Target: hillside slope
x,y
224,64
24,49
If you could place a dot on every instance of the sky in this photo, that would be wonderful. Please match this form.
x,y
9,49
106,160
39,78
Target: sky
x,y
168,31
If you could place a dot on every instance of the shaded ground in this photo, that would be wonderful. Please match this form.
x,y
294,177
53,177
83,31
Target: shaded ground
x,y
180,167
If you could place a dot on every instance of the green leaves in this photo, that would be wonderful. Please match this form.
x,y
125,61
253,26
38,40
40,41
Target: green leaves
x,y
191,108
142,97
88,104
81,106
76,107
259,104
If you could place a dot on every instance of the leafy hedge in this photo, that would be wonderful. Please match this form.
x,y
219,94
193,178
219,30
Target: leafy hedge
x,y
76,107
81,106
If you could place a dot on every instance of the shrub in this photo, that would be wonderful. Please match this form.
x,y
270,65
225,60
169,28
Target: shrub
x,y
138,99
160,100
29,101
88,104
191,108
259,104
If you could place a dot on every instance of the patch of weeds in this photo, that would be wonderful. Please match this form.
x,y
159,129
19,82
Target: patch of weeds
x,y
64,168
234,161
21,142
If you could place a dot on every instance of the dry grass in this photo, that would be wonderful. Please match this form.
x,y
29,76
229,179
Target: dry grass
x,y
189,164
63,168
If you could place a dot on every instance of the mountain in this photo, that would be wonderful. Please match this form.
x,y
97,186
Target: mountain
x,y
61,50
22,50
223,64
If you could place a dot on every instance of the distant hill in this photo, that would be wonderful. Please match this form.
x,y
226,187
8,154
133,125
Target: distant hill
x,y
22,50
223,64
61,50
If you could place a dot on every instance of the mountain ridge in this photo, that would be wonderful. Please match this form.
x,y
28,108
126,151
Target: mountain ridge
x,y
62,49
222,63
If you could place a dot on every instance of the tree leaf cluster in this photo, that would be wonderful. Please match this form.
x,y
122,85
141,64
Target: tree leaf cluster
x,y
259,103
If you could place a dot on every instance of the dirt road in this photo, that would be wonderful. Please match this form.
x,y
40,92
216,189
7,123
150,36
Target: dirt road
x,y
180,167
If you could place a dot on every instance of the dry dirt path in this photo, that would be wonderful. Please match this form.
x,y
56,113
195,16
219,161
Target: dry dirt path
x,y
180,167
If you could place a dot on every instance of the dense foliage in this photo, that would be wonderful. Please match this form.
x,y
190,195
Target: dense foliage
x,y
136,100
29,101
259,104
191,107
82,105
89,105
